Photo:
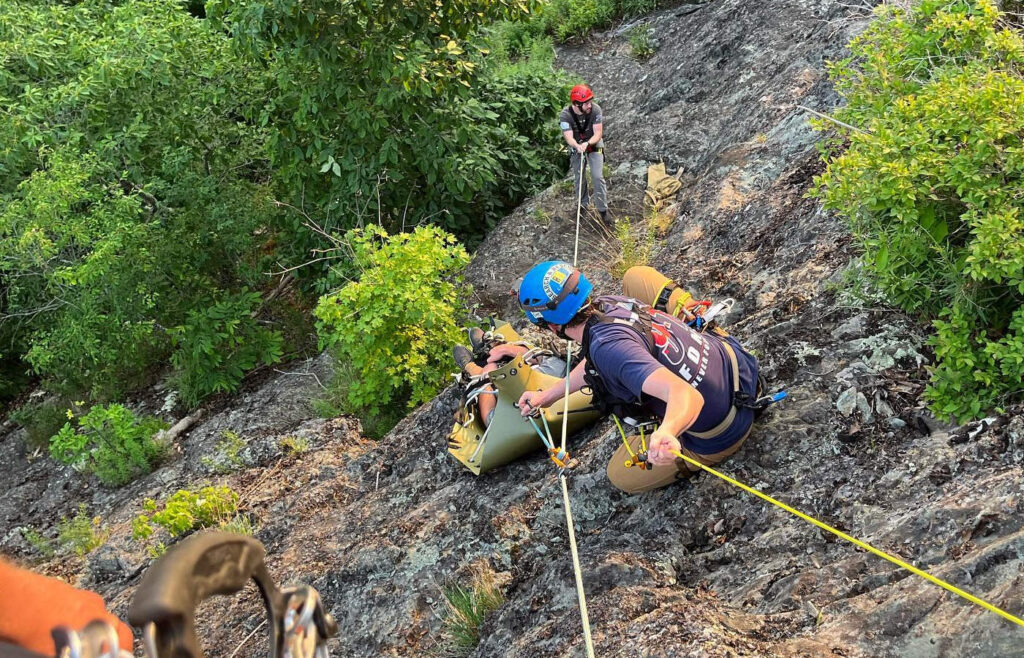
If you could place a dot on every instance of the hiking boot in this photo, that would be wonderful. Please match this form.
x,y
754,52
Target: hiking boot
x,y
476,339
462,356
605,217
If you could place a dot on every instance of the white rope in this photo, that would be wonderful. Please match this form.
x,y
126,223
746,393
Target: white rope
x,y
580,593
587,640
575,257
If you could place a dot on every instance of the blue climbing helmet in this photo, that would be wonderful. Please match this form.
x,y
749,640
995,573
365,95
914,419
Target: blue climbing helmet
x,y
553,292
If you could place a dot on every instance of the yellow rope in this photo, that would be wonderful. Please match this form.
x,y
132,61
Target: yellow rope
x,y
622,433
924,574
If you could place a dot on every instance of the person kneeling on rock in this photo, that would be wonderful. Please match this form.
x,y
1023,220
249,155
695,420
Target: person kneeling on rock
x,y
641,359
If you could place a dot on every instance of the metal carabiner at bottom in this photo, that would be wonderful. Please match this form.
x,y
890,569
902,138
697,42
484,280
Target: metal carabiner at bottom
x,y
97,640
300,624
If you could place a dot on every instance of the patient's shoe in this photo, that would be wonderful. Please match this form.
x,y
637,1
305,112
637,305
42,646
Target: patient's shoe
x,y
476,339
463,357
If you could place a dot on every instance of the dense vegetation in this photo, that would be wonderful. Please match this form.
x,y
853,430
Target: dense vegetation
x,y
393,328
166,167
931,180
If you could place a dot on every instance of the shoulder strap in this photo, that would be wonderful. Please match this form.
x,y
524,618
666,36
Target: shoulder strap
x,y
581,129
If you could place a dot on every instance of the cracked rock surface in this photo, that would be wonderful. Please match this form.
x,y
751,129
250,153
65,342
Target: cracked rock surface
x,y
696,569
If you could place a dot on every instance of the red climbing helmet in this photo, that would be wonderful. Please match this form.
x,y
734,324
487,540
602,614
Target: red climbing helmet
x,y
581,94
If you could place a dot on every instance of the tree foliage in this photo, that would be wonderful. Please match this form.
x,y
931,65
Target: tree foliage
x,y
148,147
132,189
218,344
187,510
390,112
932,183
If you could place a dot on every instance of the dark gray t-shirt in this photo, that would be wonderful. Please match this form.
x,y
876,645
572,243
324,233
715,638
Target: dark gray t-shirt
x,y
581,125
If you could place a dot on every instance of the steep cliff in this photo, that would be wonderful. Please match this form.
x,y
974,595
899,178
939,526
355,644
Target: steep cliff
x,y
697,569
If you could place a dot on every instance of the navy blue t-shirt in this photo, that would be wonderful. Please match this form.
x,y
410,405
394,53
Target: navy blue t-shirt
x,y
620,354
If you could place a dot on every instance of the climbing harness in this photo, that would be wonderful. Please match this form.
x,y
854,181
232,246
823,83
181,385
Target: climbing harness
x,y
584,131
638,458
640,317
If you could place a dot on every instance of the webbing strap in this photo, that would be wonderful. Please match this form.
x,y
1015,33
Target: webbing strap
x,y
731,416
661,300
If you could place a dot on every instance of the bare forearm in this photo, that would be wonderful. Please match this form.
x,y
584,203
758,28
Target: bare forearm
x,y
682,401
680,414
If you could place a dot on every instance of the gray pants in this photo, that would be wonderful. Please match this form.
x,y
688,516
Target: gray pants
x,y
595,164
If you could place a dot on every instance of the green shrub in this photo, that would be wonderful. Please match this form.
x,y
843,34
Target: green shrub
x,y
215,347
241,524
931,184
81,534
226,457
573,19
111,442
641,42
186,511
569,20
335,401
396,324
635,244
294,445
38,542
631,8
465,611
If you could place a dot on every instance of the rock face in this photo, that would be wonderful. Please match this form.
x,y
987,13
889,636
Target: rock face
x,y
697,569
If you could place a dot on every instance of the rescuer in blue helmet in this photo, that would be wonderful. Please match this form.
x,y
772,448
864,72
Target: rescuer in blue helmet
x,y
642,359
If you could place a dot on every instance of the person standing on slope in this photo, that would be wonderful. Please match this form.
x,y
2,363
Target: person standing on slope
x,y
582,127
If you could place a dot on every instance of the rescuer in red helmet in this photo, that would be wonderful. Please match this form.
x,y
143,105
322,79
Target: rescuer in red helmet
x,y
582,126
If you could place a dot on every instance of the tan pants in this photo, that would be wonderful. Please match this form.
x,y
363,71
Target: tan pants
x,y
637,480
645,284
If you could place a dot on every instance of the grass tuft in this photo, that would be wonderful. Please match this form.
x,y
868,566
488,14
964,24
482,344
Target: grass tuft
x,y
466,608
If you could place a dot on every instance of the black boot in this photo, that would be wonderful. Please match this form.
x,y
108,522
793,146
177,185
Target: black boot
x,y
476,339
462,357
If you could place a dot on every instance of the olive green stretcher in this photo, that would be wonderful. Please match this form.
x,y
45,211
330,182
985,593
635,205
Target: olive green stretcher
x,y
509,436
